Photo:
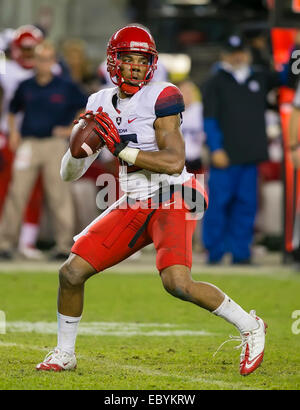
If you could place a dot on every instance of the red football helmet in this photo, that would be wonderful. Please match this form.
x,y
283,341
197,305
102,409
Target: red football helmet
x,y
131,38
25,39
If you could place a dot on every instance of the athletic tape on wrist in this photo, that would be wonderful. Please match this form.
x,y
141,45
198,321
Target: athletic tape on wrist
x,y
129,155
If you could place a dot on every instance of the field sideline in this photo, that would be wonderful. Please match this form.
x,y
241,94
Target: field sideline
x,y
134,336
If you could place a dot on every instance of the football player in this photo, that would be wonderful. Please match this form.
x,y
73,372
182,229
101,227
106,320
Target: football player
x,y
139,121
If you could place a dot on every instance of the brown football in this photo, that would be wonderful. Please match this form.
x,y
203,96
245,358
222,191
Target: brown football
x,y
84,141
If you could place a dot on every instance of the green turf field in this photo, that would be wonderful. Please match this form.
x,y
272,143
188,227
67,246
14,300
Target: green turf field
x,y
134,335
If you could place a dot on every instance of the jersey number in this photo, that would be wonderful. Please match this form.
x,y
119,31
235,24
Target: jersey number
x,y
129,137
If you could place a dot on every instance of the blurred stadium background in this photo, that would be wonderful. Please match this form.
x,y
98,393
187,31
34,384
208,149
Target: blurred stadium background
x,y
194,27
189,36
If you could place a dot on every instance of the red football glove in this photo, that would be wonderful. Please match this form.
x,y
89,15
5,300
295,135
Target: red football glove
x,y
107,130
83,116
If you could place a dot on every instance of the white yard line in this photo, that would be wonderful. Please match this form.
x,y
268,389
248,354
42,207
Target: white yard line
x,y
22,346
212,380
109,329
145,370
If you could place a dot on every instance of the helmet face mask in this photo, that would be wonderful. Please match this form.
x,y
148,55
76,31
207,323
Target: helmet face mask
x,y
133,71
131,40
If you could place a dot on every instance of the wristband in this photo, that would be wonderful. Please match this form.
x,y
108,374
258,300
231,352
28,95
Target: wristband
x,y
129,154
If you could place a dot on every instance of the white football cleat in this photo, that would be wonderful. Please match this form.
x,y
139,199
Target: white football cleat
x,y
252,344
57,361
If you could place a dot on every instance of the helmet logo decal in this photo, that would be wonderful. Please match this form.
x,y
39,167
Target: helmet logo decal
x,y
138,44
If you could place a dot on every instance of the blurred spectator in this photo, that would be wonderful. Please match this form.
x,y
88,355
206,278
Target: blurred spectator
x,y
192,126
234,122
193,133
49,105
294,147
80,67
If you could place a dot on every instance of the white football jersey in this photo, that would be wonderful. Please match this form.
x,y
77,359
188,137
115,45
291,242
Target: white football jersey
x,y
134,118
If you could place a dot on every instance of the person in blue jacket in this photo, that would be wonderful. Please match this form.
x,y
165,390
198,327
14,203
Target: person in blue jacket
x,y
234,100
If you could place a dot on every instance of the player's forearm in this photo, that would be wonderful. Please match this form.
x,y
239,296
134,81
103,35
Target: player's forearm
x,y
170,158
73,168
294,127
165,161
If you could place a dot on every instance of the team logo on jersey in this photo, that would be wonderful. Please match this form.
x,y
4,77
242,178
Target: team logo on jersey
x,y
118,120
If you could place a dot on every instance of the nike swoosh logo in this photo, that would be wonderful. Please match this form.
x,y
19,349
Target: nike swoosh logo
x,y
130,121
76,321
249,365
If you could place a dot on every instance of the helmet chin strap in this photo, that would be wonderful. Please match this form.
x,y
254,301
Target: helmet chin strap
x,y
129,89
